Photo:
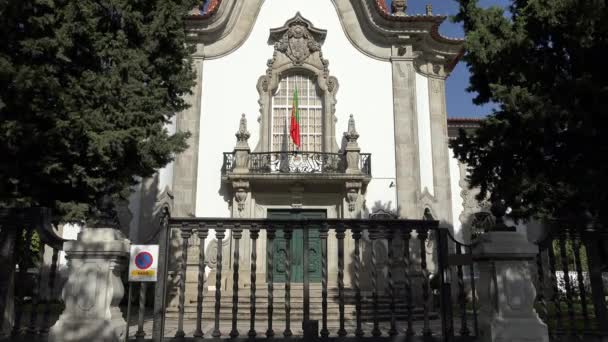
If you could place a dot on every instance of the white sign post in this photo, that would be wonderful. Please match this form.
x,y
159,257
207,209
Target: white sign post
x,y
143,263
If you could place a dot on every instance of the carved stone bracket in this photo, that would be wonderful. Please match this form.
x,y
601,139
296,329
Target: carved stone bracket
x,y
241,192
353,190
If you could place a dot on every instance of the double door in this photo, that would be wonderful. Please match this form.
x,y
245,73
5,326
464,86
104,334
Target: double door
x,y
297,248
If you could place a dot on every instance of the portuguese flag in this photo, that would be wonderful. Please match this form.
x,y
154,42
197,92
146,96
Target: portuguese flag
x,y
294,130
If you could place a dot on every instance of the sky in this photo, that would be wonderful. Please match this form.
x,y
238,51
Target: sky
x,y
459,101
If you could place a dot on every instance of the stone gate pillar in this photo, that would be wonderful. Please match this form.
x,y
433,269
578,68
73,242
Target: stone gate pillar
x,y
506,288
94,288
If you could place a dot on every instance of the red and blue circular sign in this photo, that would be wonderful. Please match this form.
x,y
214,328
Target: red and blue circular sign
x,y
143,260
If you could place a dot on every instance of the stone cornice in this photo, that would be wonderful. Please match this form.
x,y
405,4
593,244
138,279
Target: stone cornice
x,y
370,27
375,32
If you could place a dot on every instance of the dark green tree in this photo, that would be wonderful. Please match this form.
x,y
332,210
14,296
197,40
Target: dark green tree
x,y
543,62
86,90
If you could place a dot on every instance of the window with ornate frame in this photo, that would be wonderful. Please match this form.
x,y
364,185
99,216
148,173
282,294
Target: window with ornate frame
x,y
297,61
310,108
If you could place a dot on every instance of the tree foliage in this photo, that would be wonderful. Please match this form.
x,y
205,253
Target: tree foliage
x,y
86,90
543,63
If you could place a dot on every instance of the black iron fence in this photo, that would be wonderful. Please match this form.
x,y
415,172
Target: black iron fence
x,y
396,281
298,162
29,296
571,281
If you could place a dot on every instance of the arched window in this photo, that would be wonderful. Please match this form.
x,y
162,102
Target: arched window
x,y
310,113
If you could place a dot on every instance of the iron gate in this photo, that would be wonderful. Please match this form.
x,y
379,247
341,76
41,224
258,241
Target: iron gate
x,y
396,280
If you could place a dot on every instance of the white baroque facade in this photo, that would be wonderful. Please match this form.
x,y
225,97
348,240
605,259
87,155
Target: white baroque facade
x,y
371,81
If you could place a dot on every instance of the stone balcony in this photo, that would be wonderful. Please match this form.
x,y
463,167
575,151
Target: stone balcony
x,y
297,163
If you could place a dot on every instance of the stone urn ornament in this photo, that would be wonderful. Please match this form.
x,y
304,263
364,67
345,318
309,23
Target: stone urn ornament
x,y
399,7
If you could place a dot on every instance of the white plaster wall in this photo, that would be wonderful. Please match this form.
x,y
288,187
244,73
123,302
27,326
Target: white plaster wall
x,y
424,134
457,201
229,89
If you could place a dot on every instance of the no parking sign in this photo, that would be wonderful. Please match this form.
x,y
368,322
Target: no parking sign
x,y
143,263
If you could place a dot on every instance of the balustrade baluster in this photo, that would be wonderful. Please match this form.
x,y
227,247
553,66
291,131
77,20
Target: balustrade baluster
x,y
46,324
306,279
219,235
462,296
422,236
340,229
473,292
287,232
373,235
253,233
555,297
19,295
237,233
388,232
323,233
406,235
185,234
32,329
356,231
202,233
140,334
576,246
565,263
270,234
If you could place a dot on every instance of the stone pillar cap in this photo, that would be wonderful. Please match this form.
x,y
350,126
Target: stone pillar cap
x,y
503,245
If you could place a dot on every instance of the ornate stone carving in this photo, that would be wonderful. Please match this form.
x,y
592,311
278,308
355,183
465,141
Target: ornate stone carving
x,y
298,39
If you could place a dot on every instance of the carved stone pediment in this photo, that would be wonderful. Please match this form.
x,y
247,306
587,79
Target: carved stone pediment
x,y
297,39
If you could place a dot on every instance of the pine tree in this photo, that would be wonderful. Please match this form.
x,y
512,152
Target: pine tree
x,y
543,62
87,88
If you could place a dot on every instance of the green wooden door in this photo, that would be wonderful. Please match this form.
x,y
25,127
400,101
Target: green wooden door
x,y
297,248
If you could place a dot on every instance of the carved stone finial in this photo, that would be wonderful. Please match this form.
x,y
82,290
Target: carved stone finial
x,y
429,9
242,135
351,135
399,7
352,149
499,209
241,150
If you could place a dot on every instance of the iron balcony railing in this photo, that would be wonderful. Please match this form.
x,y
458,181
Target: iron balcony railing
x,y
294,162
